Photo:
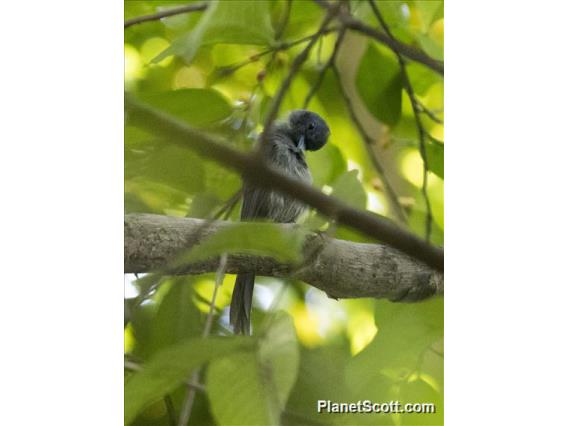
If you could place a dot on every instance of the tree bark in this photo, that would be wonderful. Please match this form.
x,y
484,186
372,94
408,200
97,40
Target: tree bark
x,y
343,269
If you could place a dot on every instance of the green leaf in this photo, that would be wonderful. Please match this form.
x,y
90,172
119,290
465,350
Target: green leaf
x,y
379,84
154,197
172,366
395,13
280,355
435,157
321,377
174,166
203,204
428,10
417,223
197,107
326,165
220,181
405,333
142,318
349,189
418,391
422,78
231,22
431,48
252,389
237,393
257,239
304,15
177,317
405,330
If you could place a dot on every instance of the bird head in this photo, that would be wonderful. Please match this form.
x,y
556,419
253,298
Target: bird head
x,y
309,130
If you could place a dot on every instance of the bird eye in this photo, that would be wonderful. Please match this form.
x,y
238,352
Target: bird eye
x,y
311,126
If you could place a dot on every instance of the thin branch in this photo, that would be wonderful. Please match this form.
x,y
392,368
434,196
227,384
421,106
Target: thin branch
x,y
369,143
165,13
342,269
330,62
422,134
406,50
227,208
264,176
229,69
190,396
218,281
170,408
435,140
429,113
399,212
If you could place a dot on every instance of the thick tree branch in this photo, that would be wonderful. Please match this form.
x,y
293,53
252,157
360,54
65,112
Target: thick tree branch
x,y
165,13
343,269
260,174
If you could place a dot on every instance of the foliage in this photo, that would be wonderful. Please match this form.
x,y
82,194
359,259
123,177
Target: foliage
x,y
219,70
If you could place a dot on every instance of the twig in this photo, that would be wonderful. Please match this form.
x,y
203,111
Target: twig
x,y
399,212
392,43
260,174
435,140
369,142
170,408
165,13
429,113
294,68
229,69
330,62
229,205
190,396
422,134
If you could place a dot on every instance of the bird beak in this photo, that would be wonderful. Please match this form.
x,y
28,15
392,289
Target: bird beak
x,y
301,143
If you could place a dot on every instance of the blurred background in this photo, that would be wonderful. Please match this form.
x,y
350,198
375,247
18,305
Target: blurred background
x,y
219,72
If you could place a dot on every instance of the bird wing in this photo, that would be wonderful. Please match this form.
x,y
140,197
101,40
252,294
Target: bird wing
x,y
262,203
254,203
256,200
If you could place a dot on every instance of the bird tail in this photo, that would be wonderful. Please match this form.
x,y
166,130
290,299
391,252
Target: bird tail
x,y
241,303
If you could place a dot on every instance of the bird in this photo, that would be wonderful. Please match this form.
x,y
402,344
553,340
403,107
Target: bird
x,y
286,143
